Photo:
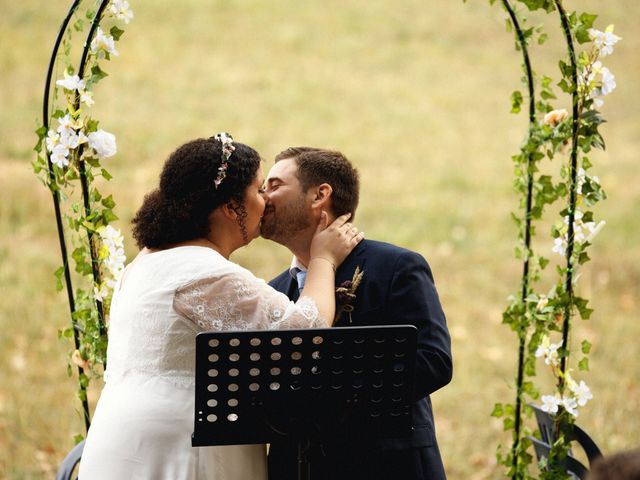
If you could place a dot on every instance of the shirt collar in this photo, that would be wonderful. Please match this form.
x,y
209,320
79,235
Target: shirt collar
x,y
296,266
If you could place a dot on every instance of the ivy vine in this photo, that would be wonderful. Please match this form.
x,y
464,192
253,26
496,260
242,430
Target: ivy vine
x,y
566,139
71,149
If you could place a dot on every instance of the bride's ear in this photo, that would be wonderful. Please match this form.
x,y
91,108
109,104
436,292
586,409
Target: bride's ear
x,y
229,210
322,196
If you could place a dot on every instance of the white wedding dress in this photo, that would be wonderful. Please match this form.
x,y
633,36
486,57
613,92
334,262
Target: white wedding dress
x,y
143,422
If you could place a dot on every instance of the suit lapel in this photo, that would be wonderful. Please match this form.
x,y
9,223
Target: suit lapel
x,y
345,272
292,289
355,259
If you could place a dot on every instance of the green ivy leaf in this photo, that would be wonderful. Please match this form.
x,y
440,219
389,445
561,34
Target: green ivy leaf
x,y
59,273
581,305
564,86
584,364
547,95
116,33
516,101
587,19
41,132
67,332
508,423
97,73
106,175
109,217
528,388
586,347
108,202
92,126
498,411
583,258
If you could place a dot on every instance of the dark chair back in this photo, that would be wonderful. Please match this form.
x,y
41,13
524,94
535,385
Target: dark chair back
x,y
68,466
572,466
546,426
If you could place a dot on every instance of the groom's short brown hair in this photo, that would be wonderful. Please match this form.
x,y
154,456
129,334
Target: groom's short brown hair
x,y
317,165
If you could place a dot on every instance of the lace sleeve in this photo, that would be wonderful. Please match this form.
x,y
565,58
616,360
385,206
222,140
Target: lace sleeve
x,y
240,301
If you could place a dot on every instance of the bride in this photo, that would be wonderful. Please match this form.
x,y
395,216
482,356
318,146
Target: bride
x,y
209,203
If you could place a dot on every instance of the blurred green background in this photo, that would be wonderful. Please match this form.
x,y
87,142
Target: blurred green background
x,y
416,94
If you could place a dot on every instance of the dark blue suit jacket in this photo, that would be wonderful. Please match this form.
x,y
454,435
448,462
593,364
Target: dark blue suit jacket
x,y
397,288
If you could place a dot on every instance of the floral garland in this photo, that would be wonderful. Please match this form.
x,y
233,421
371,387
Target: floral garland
x,y
71,152
537,317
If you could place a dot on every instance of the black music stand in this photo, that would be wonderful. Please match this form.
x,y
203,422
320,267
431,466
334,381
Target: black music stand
x,y
311,385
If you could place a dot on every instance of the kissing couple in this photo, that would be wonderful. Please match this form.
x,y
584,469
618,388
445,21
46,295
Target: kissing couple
x,y
212,199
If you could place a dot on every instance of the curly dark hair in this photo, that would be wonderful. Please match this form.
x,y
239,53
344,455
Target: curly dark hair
x,y
179,209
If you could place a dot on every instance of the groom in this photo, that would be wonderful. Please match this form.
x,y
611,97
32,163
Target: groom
x,y
396,288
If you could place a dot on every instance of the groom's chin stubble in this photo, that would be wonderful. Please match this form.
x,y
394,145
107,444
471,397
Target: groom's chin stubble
x,y
267,231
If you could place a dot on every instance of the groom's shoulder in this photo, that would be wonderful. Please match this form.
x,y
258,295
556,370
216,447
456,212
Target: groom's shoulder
x,y
386,252
280,279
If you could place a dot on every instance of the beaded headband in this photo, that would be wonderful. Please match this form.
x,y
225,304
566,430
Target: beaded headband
x,y
227,149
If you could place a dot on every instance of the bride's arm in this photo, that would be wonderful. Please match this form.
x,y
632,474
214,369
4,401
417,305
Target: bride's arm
x,y
329,247
236,299
239,301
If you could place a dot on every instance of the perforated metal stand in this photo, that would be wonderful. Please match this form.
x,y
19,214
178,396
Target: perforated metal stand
x,y
310,385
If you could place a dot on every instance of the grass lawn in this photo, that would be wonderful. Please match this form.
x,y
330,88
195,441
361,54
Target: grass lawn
x,y
416,94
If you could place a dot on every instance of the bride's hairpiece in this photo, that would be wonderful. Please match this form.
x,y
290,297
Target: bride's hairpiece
x,y
227,149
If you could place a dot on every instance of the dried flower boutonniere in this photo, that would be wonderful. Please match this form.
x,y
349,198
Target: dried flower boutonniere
x,y
346,294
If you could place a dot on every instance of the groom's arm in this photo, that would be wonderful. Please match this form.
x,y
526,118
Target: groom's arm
x,y
413,300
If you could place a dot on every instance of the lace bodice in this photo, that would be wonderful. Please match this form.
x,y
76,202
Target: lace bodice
x,y
167,297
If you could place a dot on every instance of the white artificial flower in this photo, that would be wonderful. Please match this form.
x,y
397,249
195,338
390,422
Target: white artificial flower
x,y
101,292
595,229
570,405
608,82
103,143
604,41
582,392
71,82
68,123
116,260
548,350
86,98
559,246
69,138
550,403
581,178
542,302
114,243
121,10
65,123
103,42
111,236
52,140
59,156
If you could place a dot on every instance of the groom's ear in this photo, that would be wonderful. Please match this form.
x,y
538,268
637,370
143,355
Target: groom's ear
x,y
322,196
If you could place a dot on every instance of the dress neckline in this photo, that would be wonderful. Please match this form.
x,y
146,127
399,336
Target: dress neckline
x,y
173,250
